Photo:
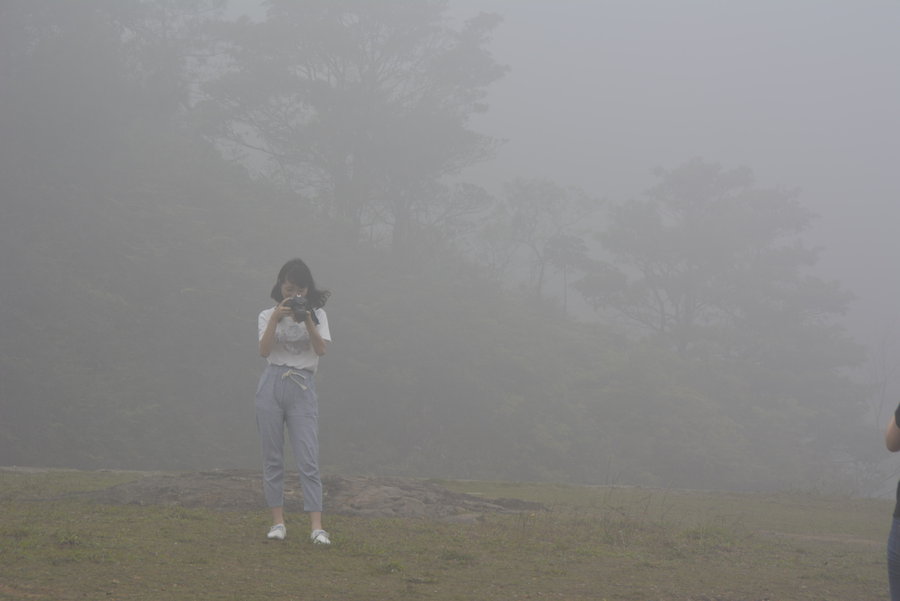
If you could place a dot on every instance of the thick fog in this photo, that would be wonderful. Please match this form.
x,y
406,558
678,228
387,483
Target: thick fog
x,y
805,93
157,173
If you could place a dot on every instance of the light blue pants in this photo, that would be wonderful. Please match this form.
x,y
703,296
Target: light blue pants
x,y
286,397
893,559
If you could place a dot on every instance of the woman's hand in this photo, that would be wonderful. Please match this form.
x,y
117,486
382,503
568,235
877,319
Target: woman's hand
x,y
281,311
892,434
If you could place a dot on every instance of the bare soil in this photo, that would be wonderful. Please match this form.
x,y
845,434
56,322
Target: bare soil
x,y
241,490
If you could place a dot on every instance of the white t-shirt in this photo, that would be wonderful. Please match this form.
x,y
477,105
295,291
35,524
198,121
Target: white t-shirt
x,y
292,345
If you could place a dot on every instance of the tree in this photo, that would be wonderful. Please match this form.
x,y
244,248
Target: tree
x,y
565,252
714,267
359,107
708,251
111,232
540,221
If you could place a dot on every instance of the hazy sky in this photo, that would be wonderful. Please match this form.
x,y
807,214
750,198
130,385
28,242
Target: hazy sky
x,y
804,92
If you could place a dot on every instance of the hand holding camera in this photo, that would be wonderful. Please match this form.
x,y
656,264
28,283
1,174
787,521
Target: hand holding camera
x,y
301,308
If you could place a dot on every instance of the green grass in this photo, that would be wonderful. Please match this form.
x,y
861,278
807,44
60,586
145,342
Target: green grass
x,y
597,543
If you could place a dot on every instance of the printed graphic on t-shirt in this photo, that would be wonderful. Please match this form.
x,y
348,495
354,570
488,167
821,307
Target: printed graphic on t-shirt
x,y
294,336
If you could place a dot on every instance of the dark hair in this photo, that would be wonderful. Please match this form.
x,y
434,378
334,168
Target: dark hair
x,y
298,273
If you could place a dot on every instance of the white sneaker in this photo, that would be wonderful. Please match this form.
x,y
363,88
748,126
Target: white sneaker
x,y
277,532
320,537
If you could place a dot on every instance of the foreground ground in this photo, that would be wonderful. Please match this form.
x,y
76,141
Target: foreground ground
x,y
155,537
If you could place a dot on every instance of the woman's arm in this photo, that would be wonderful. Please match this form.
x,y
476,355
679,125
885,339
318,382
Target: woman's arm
x,y
267,340
892,434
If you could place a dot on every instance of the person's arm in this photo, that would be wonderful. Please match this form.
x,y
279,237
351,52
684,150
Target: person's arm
x,y
892,434
267,340
319,344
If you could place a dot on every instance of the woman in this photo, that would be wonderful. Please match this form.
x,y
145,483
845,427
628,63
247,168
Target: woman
x,y
292,336
892,441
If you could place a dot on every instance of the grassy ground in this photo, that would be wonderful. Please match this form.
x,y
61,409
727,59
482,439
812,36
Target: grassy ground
x,y
598,543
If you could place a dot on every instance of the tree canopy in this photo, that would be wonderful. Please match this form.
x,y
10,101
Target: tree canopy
x,y
360,107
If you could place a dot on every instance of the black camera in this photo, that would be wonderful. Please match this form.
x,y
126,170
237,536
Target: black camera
x,y
300,306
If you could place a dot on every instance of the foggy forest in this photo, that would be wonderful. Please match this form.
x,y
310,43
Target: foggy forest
x,y
529,282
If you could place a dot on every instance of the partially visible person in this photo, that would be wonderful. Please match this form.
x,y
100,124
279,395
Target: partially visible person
x,y
892,442
292,336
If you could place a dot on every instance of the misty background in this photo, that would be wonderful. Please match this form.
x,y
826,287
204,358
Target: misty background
x,y
603,242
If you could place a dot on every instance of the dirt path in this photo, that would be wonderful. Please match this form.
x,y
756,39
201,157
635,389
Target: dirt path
x,y
829,538
241,490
